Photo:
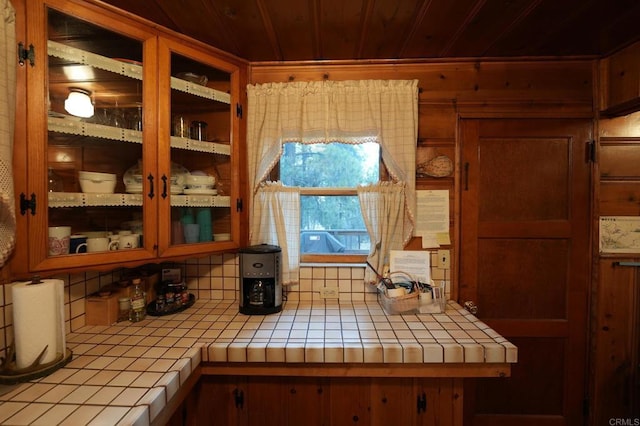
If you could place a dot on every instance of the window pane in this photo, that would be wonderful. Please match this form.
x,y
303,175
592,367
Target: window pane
x,y
332,224
329,165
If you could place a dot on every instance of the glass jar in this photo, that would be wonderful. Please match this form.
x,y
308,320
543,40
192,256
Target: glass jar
x,y
124,308
54,183
199,130
135,120
138,301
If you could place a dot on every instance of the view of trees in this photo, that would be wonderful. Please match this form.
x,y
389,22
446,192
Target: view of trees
x,y
333,165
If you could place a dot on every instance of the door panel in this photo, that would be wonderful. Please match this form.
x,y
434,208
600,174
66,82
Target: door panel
x,y
524,260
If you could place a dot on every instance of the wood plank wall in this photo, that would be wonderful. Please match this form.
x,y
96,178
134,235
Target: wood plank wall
x,y
451,90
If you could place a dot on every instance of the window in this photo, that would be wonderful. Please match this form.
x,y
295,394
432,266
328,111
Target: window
x,y
328,174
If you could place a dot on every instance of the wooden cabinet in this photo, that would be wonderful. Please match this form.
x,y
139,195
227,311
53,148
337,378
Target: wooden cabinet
x,y
616,392
139,80
615,348
275,400
620,81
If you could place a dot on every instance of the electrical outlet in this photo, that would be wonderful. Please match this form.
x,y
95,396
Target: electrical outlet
x,y
329,293
443,259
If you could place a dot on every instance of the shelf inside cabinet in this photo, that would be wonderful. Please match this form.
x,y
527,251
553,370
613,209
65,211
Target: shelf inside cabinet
x,y
80,199
201,91
201,146
200,201
128,69
63,125
80,128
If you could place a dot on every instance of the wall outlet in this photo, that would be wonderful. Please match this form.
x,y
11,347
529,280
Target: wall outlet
x,y
443,259
329,293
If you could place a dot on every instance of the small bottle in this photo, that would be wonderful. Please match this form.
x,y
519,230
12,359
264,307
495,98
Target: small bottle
x,y
138,301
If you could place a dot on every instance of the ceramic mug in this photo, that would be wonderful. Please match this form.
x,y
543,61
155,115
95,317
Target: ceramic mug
x,y
74,244
95,234
97,244
59,237
129,241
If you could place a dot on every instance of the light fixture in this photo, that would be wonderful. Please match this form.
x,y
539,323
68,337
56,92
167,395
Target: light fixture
x,y
78,103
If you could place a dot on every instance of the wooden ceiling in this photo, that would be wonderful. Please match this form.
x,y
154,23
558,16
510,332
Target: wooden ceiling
x,y
303,30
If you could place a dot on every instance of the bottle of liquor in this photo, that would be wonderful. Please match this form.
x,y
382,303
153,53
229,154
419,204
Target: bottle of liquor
x,y
138,301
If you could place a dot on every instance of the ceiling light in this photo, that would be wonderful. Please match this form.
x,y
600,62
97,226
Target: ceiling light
x,y
78,103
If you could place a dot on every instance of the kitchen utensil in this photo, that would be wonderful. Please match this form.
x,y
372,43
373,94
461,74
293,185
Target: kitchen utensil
x,y
199,130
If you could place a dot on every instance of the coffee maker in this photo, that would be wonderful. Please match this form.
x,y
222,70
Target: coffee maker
x,y
260,280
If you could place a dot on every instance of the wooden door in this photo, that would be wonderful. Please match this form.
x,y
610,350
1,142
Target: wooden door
x,y
525,259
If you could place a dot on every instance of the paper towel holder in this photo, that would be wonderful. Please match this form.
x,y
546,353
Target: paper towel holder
x,y
10,375
36,280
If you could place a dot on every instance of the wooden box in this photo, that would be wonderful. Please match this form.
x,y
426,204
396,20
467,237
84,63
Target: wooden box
x,y
102,310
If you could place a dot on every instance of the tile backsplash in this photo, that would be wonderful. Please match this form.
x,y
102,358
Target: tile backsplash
x,y
213,277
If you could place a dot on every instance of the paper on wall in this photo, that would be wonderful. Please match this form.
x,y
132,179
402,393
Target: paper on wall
x,y
619,234
432,217
412,263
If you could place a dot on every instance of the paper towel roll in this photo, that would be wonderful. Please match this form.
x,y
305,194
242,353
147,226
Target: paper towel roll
x,y
38,321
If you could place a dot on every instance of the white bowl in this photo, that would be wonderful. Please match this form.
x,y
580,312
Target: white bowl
x,y
97,183
194,181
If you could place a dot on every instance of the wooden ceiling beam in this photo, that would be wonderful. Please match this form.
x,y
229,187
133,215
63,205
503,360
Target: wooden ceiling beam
x,y
365,22
527,11
315,7
462,28
417,22
270,30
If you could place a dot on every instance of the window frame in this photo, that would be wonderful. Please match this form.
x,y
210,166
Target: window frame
x,y
319,258
331,258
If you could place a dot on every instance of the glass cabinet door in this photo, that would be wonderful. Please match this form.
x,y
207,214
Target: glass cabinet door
x,y
98,183
200,185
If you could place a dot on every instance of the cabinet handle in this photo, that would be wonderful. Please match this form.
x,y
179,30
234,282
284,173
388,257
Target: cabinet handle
x,y
422,403
150,177
238,397
466,176
164,186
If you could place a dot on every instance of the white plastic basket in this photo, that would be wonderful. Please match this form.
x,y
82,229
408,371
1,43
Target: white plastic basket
x,y
403,304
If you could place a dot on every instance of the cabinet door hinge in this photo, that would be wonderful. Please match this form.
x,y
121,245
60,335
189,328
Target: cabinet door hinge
x,y
27,204
422,403
239,110
26,54
238,398
591,152
239,205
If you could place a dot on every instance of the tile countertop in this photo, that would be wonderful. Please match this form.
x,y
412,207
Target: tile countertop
x,y
126,373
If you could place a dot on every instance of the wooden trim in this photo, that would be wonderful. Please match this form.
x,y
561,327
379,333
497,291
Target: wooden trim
x,y
183,391
358,370
355,259
328,191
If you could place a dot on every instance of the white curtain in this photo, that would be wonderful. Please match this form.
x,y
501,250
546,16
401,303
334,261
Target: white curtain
x,y
277,220
382,111
8,59
383,212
